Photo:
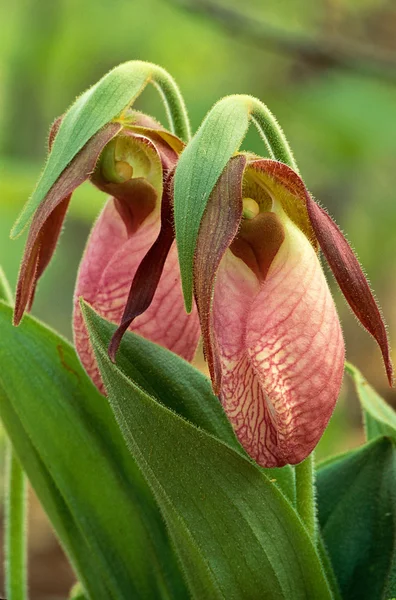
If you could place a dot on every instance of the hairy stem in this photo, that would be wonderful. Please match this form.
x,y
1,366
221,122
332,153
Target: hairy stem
x,y
272,133
15,508
174,104
305,493
15,529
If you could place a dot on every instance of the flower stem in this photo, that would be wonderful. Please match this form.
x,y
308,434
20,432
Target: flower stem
x,y
15,529
272,133
305,494
15,508
176,110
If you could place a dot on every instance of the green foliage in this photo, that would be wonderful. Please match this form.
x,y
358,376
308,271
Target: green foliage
x,y
357,515
69,444
357,504
235,533
181,388
379,417
169,379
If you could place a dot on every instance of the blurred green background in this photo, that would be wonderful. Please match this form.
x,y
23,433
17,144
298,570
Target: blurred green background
x,y
327,69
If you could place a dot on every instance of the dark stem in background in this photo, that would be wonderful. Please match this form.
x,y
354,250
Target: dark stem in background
x,y
331,52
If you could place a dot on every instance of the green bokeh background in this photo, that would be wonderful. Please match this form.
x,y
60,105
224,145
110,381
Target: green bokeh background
x,y
340,120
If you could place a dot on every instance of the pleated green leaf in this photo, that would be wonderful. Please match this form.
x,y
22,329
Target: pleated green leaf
x,y
183,389
379,417
357,515
54,505
236,534
101,103
71,448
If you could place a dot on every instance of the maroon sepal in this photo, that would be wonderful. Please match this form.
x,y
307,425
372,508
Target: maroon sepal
x,y
219,226
342,261
350,278
49,216
149,272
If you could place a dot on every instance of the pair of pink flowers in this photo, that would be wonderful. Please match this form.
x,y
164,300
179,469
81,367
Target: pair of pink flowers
x,y
271,333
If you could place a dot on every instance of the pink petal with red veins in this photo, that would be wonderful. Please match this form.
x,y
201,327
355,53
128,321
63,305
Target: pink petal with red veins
x,y
107,269
281,351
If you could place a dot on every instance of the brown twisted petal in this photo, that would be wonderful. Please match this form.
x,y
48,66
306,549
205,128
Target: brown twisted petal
x,y
218,228
48,218
148,274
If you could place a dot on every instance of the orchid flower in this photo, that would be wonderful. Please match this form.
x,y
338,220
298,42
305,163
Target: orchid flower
x,y
272,336
132,161
249,235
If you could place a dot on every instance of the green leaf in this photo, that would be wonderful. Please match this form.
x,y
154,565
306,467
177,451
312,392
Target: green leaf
x,y
181,388
71,448
101,103
357,515
200,166
236,534
379,417
54,505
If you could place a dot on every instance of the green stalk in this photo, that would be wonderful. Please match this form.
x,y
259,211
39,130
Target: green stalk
x,y
305,493
15,529
176,110
15,540
271,133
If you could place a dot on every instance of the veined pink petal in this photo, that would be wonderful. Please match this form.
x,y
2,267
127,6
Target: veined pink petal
x,y
281,351
107,269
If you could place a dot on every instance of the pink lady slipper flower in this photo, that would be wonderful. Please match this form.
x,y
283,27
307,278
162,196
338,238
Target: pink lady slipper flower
x,y
133,163
272,336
